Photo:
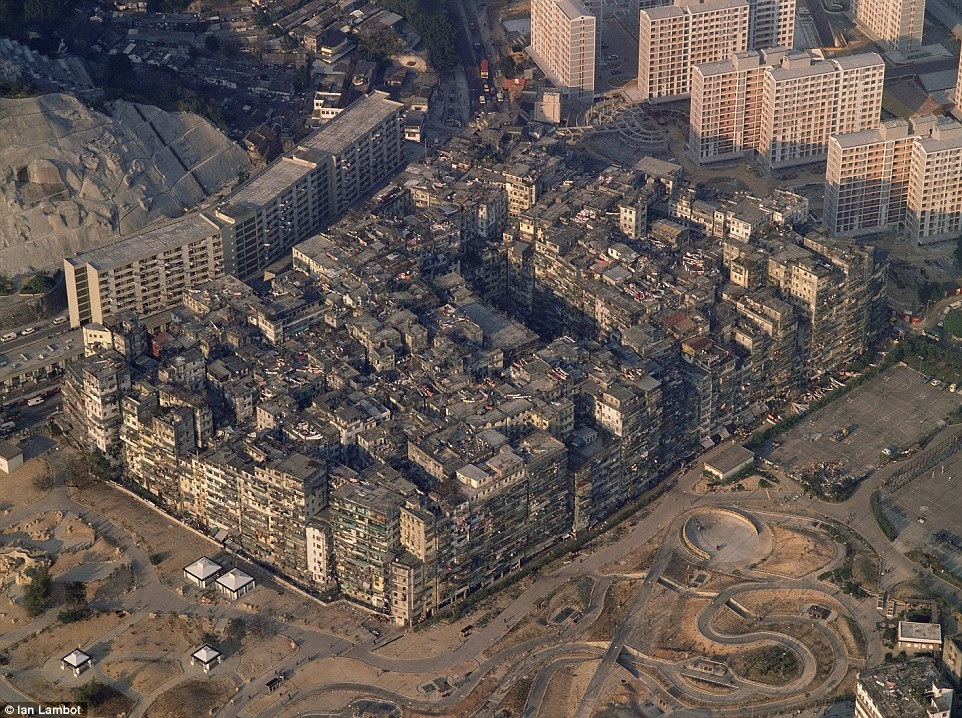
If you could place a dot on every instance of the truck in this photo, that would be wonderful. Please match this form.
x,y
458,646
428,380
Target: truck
x,y
484,69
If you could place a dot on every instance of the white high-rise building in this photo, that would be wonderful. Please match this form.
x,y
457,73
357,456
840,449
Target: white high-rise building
x,y
867,178
957,109
771,23
564,42
896,24
726,105
781,103
934,211
676,37
807,98
902,176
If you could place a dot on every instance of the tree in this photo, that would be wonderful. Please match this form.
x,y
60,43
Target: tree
x,y
378,46
42,481
91,694
6,286
37,592
44,12
40,283
85,469
302,77
119,71
75,593
508,67
212,43
931,292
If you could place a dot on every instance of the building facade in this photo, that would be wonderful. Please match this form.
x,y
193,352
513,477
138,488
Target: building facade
x,y
896,24
676,37
782,104
807,98
564,42
902,176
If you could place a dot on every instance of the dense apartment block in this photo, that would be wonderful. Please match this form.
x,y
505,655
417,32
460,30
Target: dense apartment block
x,y
934,205
807,99
564,42
148,272
493,353
781,104
145,273
902,176
896,24
726,105
912,689
676,37
867,179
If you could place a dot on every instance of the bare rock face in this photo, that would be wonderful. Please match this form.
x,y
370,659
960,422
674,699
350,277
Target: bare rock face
x,y
72,179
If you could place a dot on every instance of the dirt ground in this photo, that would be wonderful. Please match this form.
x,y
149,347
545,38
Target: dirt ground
x,y
635,562
623,696
39,527
797,552
669,628
852,635
333,702
11,614
18,488
574,594
516,698
771,665
171,634
117,582
617,602
729,623
59,639
781,602
35,686
259,654
100,552
191,699
142,676
566,688
176,546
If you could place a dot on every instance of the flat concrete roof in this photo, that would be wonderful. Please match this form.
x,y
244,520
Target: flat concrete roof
x,y
920,632
150,242
728,458
356,120
9,451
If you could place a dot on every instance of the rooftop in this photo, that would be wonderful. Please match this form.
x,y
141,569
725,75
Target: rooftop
x,y
357,120
904,690
203,568
76,658
206,654
728,458
9,451
920,632
265,187
150,242
235,579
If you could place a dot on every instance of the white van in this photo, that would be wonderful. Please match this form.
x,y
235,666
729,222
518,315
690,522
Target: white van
x,y
36,401
60,320
8,337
